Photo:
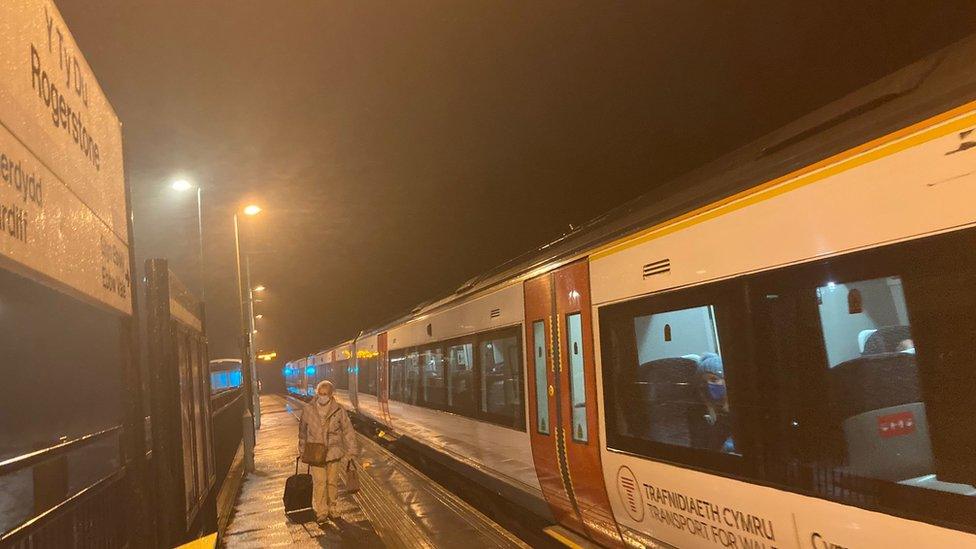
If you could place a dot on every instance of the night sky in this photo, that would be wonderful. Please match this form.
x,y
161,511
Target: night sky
x,y
400,148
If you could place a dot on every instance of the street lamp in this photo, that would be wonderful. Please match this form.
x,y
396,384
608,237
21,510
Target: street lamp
x,y
182,185
246,297
259,288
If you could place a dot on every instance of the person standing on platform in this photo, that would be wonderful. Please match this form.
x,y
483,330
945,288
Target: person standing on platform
x,y
327,442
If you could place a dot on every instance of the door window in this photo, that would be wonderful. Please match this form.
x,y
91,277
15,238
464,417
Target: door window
x,y
412,377
397,366
540,358
577,378
460,379
433,378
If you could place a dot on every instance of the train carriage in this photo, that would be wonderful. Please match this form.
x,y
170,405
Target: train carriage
x,y
777,353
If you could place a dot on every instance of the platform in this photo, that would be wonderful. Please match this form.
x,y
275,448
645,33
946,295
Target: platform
x,y
397,505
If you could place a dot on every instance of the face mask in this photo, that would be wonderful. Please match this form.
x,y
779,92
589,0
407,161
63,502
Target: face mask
x,y
324,400
716,391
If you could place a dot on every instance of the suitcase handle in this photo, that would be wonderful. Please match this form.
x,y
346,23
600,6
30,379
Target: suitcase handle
x,y
308,468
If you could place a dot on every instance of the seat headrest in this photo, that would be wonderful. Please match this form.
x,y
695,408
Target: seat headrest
x,y
886,339
873,382
862,338
668,370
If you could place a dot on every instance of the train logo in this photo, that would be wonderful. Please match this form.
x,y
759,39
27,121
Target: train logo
x,y
630,495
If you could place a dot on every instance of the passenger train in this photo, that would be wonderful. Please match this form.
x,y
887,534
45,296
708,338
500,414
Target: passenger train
x,y
776,350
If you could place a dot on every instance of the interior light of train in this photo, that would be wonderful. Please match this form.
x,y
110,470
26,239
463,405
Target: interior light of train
x,y
310,371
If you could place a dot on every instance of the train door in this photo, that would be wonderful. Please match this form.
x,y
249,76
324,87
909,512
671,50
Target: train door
x,y
562,401
353,370
382,374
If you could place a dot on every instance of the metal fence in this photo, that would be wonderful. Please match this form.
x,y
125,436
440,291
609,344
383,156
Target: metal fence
x,y
228,407
94,516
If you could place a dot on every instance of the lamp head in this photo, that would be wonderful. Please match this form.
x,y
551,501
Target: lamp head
x,y
181,185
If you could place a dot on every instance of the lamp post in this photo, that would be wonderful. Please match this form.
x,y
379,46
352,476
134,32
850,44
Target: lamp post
x,y
246,298
182,185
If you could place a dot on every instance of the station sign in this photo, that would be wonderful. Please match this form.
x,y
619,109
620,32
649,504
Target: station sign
x,y
62,189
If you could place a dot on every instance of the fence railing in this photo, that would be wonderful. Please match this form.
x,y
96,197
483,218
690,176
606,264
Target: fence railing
x,y
93,516
228,430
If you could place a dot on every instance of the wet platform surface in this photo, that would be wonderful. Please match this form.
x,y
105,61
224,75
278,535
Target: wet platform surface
x,y
397,505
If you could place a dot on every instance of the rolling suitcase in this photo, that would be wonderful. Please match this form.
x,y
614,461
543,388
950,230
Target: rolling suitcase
x,y
298,494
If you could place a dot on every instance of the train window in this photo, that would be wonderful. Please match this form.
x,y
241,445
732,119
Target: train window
x,y
681,371
577,383
433,380
868,365
663,363
226,375
540,359
501,378
870,422
877,324
460,378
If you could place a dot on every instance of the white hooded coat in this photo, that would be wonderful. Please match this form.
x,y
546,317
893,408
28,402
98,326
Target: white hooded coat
x,y
327,424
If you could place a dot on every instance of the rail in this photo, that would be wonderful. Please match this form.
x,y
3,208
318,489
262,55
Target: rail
x,y
70,506
24,461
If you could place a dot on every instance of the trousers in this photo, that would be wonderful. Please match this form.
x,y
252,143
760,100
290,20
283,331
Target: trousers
x,y
325,488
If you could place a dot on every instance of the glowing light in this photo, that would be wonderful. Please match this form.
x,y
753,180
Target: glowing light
x,y
259,317
310,371
252,209
181,185
259,288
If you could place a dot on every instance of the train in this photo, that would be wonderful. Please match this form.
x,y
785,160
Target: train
x,y
226,374
774,350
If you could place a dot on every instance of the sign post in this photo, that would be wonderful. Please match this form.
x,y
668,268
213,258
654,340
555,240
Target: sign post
x,y
65,227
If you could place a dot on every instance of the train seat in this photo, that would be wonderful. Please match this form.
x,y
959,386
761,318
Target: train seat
x,y
862,338
667,394
879,403
884,339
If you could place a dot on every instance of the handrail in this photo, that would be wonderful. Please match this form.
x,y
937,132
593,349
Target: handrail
x,y
217,394
24,461
25,527
225,406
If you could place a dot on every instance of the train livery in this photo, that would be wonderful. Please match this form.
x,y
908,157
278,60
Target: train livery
x,y
779,351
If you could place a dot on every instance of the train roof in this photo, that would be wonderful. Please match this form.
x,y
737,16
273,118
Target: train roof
x,y
928,87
